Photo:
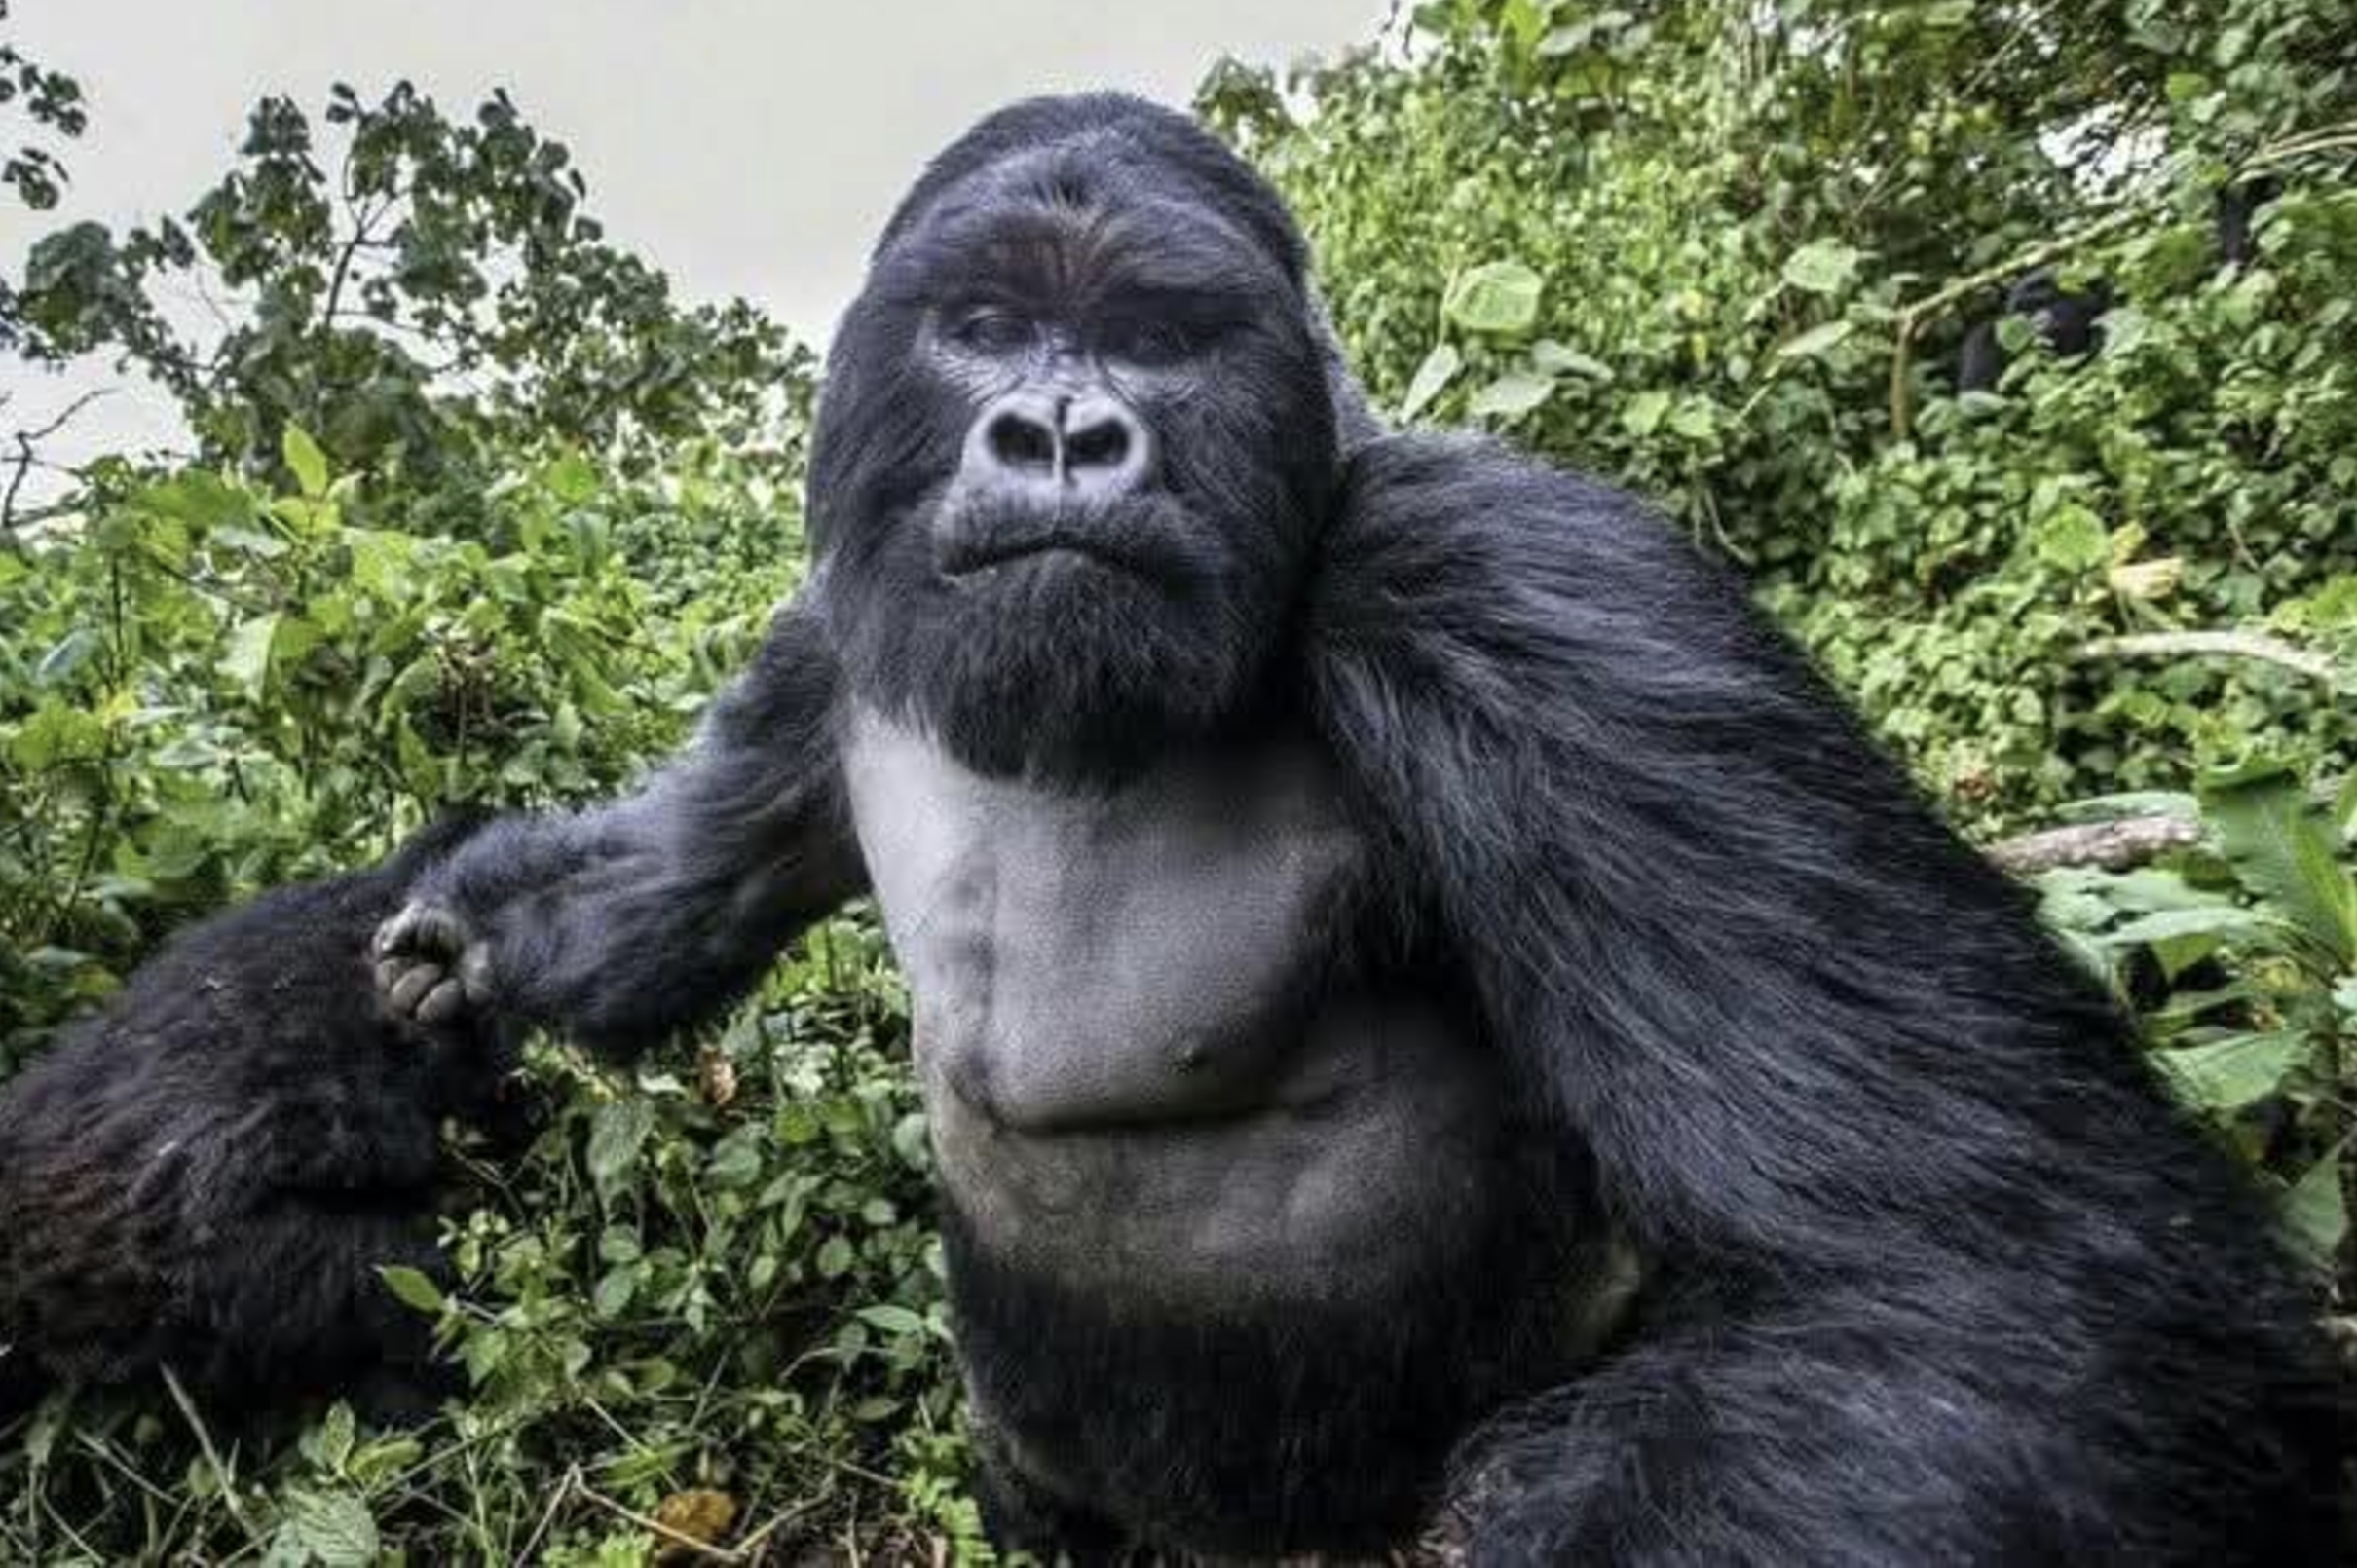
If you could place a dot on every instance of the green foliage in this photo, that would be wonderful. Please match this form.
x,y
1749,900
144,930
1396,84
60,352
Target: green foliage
x,y
439,297
2244,953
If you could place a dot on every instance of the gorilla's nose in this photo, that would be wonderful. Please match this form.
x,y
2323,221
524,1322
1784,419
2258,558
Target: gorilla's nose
x,y
1087,444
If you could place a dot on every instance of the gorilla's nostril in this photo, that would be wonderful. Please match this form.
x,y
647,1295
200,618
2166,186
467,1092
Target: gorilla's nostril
x,y
1105,444
1023,444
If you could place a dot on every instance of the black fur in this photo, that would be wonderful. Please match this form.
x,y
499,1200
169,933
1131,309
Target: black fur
x,y
1932,1271
208,1172
1942,1276
2068,321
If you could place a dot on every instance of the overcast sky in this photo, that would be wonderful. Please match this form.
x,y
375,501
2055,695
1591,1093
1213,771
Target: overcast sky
x,y
748,148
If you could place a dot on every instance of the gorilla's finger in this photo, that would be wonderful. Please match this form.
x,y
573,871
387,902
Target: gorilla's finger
x,y
474,974
393,933
411,989
422,928
441,1004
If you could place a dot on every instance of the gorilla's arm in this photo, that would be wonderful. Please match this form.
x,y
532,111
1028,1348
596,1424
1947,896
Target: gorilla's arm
x,y
1892,1159
621,925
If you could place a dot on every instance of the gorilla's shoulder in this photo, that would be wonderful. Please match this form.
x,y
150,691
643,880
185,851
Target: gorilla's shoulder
x,y
1459,540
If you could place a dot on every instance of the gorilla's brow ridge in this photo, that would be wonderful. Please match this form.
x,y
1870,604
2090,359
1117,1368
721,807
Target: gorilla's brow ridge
x,y
1081,257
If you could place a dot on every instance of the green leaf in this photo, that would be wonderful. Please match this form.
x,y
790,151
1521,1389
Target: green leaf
x,y
2073,539
1512,395
1695,418
571,479
2282,848
1821,267
69,655
246,663
898,1322
1559,359
329,1443
305,460
2233,1074
835,1258
248,542
1643,413
615,1292
2209,920
1430,377
411,1287
736,1161
616,1134
335,1529
2316,1209
1816,342
1500,298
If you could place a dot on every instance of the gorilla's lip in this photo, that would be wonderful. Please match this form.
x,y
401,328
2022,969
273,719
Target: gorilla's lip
x,y
968,558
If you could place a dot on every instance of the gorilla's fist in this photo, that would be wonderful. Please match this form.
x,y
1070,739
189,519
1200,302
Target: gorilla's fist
x,y
431,968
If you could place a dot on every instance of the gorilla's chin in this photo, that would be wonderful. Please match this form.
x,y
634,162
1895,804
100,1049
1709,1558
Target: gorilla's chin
x,y
1065,644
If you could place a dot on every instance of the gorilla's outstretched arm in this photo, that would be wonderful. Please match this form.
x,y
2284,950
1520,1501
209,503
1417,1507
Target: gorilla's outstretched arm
x,y
621,924
1895,1160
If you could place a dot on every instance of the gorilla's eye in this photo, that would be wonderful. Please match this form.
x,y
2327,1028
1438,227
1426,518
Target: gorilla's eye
x,y
1146,340
992,330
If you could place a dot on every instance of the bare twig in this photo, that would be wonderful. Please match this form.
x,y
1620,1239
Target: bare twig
x,y
2208,645
222,1475
556,1504
2116,846
26,458
654,1526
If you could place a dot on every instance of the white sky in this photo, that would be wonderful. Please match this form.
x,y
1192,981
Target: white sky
x,y
747,148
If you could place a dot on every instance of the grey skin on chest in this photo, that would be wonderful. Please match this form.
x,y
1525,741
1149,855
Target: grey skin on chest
x,y
1140,1065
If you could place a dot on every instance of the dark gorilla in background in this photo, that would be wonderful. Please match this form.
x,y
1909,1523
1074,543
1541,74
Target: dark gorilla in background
x,y
208,1172
2070,322
1423,997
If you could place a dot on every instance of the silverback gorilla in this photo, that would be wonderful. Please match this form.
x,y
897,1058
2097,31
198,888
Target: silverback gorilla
x,y
209,1173
1423,998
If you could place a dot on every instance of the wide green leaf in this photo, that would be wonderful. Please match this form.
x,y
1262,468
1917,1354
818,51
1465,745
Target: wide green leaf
x,y
2317,1208
411,1287
305,460
335,1529
1500,298
1821,267
1512,395
1432,376
2283,847
2229,1074
618,1133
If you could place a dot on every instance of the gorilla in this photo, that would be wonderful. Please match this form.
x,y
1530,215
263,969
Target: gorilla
x,y
2068,321
208,1174
1431,1013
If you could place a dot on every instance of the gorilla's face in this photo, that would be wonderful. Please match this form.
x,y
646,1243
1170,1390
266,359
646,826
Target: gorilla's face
x,y
1075,447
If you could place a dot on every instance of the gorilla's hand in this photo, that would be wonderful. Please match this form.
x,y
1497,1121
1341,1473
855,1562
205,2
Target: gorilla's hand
x,y
431,968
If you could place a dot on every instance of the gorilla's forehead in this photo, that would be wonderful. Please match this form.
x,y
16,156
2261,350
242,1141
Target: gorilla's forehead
x,y
1016,243
1068,221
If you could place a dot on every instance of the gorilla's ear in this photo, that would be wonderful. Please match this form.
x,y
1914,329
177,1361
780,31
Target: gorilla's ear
x,y
1356,422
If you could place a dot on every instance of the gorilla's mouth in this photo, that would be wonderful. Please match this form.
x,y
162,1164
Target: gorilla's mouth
x,y
981,559
976,537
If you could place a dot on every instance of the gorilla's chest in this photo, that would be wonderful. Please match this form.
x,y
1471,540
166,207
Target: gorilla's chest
x,y
1143,1067
1085,959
